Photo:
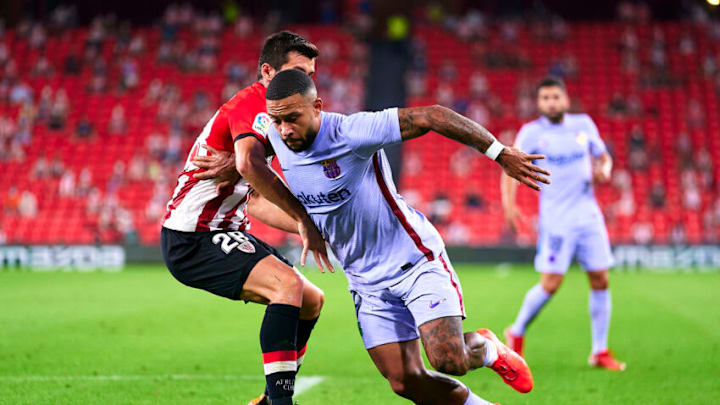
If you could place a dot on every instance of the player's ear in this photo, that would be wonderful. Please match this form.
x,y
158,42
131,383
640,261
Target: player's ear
x,y
317,105
267,72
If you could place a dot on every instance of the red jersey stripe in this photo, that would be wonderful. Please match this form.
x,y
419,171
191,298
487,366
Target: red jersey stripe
x,y
227,219
211,209
189,184
397,211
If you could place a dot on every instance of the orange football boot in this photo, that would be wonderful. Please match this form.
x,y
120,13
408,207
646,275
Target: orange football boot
x,y
261,400
509,365
514,342
605,359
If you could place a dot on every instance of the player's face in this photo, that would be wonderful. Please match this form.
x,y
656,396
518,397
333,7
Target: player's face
x,y
553,102
297,119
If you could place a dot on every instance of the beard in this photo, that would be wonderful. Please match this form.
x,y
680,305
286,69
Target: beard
x,y
555,117
305,143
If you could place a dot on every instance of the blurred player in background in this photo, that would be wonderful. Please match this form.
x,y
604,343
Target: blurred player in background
x,y
204,239
398,271
570,221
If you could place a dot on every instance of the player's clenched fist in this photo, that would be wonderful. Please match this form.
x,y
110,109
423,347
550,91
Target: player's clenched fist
x,y
519,165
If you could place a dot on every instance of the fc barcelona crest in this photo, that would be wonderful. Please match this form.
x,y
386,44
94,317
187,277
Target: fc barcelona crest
x,y
331,168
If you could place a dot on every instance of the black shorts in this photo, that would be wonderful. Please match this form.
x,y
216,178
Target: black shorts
x,y
217,261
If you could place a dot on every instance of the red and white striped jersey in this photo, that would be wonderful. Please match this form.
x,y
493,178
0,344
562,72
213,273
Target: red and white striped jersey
x,y
195,205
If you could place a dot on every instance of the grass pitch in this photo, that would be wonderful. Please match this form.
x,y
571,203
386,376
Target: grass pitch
x,y
140,337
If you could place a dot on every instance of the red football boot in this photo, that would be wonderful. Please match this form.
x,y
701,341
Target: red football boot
x,y
514,342
509,365
605,359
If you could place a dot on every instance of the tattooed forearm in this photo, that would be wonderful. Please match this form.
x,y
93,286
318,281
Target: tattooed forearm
x,y
411,122
417,121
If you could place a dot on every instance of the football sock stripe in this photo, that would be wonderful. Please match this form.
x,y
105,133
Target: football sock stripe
x,y
278,336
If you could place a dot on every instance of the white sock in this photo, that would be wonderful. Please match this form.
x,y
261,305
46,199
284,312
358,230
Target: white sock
x,y
600,308
491,353
475,400
535,300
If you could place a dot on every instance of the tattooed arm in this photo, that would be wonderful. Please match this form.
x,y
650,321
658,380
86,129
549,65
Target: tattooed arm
x,y
417,121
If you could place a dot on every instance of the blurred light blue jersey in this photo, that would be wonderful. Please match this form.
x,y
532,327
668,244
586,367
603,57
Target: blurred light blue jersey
x,y
568,147
344,181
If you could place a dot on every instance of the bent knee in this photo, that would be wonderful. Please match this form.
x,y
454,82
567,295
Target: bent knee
x,y
291,282
551,288
407,384
287,287
598,280
453,365
313,301
551,283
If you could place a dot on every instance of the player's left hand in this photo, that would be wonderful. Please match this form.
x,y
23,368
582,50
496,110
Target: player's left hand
x,y
313,242
219,166
519,165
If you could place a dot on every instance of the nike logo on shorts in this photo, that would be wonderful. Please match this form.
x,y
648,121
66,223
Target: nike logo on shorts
x,y
436,303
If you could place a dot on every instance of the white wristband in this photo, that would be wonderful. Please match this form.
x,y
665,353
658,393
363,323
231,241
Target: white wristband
x,y
494,150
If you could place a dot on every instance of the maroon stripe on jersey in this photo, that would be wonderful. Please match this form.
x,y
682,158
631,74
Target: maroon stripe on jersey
x,y
397,211
210,210
192,181
454,284
227,219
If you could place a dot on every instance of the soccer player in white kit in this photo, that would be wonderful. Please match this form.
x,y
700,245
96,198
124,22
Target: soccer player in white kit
x,y
570,221
400,277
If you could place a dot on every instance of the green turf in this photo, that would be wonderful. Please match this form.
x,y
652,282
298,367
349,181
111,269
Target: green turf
x,y
139,337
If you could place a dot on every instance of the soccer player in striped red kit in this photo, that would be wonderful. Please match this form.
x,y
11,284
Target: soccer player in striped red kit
x,y
400,277
204,233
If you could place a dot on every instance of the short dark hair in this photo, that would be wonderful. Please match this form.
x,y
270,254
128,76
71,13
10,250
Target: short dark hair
x,y
277,46
551,81
287,83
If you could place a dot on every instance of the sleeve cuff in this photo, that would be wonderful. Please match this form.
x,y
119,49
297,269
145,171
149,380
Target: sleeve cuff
x,y
245,135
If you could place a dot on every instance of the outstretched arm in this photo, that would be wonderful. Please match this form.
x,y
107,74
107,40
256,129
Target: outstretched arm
x,y
417,121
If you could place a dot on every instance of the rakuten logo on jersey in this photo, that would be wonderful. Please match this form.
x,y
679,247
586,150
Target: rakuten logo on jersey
x,y
563,160
320,199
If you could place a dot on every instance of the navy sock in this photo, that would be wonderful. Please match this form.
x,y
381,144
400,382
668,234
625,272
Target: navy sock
x,y
305,328
278,340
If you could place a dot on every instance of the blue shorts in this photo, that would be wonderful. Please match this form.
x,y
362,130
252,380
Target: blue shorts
x,y
394,314
588,243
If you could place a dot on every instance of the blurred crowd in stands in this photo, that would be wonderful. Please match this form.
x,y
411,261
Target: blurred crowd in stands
x,y
34,94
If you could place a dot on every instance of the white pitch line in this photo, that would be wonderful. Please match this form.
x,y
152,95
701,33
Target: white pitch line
x,y
46,378
303,384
